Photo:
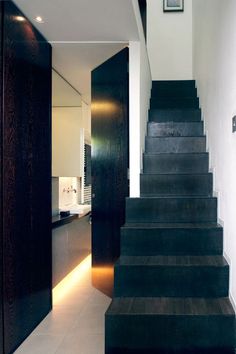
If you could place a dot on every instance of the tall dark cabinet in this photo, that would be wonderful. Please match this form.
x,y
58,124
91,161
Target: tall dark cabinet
x,y
110,156
25,178
1,187
143,13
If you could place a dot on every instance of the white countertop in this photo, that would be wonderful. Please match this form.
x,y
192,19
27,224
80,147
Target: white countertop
x,y
79,209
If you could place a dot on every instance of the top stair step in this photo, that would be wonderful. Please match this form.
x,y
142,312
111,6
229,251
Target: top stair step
x,y
174,88
173,84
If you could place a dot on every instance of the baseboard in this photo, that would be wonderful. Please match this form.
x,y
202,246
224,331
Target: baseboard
x,y
232,302
221,222
228,259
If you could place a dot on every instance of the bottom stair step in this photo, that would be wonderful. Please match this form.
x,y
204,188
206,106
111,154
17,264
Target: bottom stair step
x,y
167,325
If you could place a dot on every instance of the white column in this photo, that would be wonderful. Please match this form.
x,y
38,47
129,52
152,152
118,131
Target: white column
x,y
134,118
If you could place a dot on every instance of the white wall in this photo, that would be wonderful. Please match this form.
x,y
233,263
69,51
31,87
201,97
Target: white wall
x,y
134,118
55,196
67,195
169,38
86,116
140,82
215,72
67,142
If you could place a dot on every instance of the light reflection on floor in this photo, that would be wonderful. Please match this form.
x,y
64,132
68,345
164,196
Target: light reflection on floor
x,y
64,288
76,324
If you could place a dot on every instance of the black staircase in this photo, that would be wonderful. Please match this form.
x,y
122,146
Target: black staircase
x,y
172,281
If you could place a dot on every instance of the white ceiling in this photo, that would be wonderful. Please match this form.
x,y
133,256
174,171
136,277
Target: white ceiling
x,y
83,20
67,21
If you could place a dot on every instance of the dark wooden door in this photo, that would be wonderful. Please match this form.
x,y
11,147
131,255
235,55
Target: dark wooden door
x,y
1,189
110,100
26,177
143,13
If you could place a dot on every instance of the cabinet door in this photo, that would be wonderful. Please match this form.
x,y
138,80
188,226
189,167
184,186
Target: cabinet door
x,y
109,156
1,189
26,179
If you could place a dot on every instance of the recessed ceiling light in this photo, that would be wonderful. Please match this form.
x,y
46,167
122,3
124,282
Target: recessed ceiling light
x,y
39,19
20,18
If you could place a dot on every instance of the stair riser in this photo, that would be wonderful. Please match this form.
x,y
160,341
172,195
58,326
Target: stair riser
x,y
176,145
175,129
162,92
176,163
165,304
174,86
170,103
171,281
169,334
212,350
160,185
187,210
152,242
178,115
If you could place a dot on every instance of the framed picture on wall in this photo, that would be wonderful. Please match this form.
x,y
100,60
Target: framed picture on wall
x,y
173,5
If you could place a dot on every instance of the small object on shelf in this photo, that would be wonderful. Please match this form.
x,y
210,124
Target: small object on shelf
x,y
234,124
64,213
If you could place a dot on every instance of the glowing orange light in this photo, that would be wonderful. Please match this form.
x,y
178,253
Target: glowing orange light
x,y
106,107
103,279
72,279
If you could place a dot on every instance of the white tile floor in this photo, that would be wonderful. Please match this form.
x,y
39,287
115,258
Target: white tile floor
x,y
76,324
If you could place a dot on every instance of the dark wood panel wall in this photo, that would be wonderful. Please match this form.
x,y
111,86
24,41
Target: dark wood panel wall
x,y
110,122
1,187
143,12
25,178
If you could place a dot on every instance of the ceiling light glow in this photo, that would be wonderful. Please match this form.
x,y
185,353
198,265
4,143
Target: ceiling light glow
x,y
39,19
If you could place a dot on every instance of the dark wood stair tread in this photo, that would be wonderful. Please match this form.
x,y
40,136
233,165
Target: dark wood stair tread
x,y
175,162
188,175
150,122
178,261
173,84
171,306
175,129
175,154
174,110
172,225
189,209
173,197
